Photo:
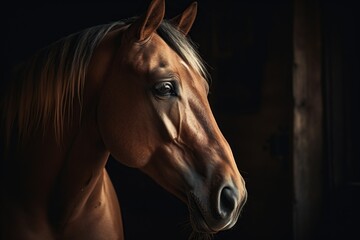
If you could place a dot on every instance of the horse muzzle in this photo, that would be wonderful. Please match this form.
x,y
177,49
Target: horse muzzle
x,y
218,211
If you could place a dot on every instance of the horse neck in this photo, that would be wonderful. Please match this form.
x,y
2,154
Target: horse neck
x,y
48,176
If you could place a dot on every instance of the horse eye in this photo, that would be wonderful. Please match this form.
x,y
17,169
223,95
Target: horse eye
x,y
164,89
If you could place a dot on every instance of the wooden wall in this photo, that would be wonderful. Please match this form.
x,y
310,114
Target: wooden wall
x,y
308,119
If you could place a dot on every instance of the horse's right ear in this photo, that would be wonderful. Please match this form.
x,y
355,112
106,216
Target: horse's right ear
x,y
147,24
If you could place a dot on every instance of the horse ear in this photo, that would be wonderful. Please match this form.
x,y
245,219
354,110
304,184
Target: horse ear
x,y
145,25
184,21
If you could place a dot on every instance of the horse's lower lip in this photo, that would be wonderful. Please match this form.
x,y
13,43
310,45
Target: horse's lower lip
x,y
196,216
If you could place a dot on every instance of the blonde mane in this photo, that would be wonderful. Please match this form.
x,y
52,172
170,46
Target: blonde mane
x,y
45,88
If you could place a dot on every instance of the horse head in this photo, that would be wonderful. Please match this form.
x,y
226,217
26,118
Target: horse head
x,y
154,114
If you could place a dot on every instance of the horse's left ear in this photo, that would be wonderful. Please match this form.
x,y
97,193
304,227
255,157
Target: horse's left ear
x,y
184,21
147,24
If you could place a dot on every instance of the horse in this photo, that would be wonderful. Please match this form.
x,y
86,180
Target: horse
x,y
135,89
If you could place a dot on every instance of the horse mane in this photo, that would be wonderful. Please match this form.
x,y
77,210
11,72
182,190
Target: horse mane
x,y
45,88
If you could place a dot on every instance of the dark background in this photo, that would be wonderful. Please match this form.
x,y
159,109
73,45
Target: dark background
x,y
249,46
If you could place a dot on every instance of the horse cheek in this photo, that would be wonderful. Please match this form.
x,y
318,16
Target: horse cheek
x,y
125,128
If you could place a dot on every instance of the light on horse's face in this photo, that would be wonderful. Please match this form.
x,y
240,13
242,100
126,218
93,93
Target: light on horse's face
x,y
154,115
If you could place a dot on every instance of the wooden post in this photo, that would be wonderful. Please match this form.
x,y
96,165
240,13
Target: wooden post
x,y
308,125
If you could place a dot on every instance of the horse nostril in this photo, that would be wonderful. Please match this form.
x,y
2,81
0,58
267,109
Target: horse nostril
x,y
227,202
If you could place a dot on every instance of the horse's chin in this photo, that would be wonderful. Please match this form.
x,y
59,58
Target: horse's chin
x,y
199,224
197,218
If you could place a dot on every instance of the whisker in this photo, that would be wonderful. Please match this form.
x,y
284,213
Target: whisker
x,y
200,236
186,226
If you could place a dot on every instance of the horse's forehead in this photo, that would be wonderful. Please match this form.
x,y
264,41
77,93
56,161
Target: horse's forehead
x,y
156,59
155,53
